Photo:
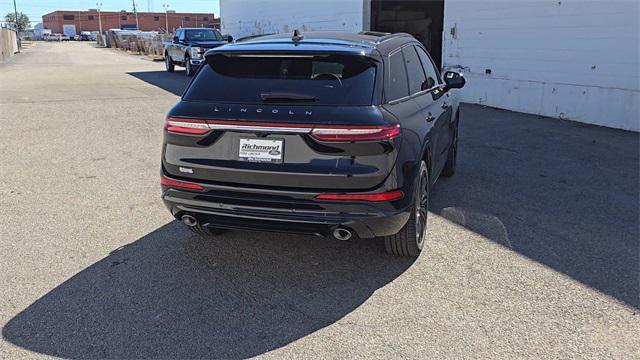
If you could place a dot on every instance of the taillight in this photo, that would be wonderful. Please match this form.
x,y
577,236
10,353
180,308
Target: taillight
x,y
356,133
374,197
344,133
180,184
187,126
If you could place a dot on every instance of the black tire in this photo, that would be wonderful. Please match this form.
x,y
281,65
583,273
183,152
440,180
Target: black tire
x,y
188,68
452,156
410,239
168,63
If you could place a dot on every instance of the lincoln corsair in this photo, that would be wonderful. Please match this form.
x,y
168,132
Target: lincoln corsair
x,y
323,133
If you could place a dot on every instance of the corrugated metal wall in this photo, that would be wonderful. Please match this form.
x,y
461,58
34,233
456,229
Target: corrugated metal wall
x,y
573,59
252,17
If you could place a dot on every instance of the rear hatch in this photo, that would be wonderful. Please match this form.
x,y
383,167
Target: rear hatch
x,y
295,121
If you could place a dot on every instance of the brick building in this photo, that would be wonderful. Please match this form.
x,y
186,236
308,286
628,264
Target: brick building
x,y
73,22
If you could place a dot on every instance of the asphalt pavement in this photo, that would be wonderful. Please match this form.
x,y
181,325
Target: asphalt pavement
x,y
532,251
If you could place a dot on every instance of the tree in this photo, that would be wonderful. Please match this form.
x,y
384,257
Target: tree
x,y
23,21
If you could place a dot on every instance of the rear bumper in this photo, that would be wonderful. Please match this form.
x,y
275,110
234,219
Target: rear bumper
x,y
286,212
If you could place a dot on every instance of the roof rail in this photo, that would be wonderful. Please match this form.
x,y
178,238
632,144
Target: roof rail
x,y
392,36
373,33
251,37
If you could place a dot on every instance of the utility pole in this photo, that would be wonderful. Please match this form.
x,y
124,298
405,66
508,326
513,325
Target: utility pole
x,y
15,10
166,16
136,14
98,5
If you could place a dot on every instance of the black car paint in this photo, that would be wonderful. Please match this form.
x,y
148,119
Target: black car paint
x,y
252,196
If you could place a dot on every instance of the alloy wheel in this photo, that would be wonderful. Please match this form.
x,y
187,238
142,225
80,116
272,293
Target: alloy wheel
x,y
422,208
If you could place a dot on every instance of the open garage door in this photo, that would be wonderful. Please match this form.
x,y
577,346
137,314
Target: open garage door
x,y
421,18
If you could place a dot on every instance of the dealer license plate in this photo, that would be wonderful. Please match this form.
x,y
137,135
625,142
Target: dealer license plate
x,y
261,150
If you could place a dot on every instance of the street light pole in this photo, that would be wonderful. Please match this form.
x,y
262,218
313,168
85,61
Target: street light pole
x,y
166,16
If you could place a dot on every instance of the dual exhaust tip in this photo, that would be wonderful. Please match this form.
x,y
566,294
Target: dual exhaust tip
x,y
189,220
340,233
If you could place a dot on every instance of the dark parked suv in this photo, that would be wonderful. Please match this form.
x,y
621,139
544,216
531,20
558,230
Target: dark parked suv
x,y
332,134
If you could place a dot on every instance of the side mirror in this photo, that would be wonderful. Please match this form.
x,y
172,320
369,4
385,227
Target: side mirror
x,y
454,80
228,38
176,40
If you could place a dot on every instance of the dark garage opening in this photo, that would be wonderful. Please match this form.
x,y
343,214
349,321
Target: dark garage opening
x,y
421,18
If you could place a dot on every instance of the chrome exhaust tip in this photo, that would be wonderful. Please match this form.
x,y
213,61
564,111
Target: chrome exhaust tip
x,y
342,234
189,220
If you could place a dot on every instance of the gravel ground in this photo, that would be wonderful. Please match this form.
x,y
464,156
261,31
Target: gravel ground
x,y
533,249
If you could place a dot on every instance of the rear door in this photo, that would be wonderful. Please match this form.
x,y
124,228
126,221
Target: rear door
x,y
181,46
298,121
436,107
174,46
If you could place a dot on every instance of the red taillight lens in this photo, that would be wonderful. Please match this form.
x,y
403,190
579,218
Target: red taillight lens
x,y
180,184
356,133
187,126
385,196
342,133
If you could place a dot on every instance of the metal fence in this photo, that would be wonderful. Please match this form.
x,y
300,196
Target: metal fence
x,y
149,43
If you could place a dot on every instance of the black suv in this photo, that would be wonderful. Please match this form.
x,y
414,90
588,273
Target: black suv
x,y
332,134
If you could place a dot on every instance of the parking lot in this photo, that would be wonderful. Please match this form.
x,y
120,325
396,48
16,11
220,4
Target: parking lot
x,y
532,251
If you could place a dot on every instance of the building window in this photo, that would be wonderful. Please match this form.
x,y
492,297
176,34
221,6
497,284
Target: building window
x,y
205,19
156,18
123,17
68,17
90,17
186,18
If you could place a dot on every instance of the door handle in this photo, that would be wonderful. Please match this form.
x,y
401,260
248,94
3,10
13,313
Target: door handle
x,y
430,118
445,105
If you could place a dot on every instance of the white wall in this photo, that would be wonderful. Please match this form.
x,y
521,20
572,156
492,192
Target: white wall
x,y
572,59
250,17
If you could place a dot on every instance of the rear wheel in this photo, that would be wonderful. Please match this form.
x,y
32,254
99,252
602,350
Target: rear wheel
x,y
452,157
410,239
169,63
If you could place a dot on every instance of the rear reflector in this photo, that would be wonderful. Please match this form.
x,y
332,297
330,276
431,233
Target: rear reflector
x,y
385,196
343,133
187,126
179,184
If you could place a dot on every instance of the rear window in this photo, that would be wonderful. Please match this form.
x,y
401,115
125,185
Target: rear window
x,y
202,35
327,79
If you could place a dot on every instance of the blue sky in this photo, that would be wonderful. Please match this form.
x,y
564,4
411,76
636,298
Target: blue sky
x,y
36,8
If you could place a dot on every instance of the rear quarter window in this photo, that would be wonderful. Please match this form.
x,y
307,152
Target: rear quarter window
x,y
397,87
331,79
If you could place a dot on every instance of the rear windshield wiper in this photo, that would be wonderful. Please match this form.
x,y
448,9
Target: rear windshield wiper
x,y
286,97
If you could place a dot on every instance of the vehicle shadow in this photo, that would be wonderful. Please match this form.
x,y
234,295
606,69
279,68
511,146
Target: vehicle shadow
x,y
172,295
561,193
174,83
